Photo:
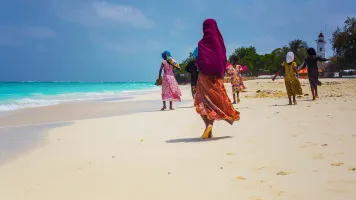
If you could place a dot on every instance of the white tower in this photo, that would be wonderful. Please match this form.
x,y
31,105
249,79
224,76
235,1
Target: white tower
x,y
320,44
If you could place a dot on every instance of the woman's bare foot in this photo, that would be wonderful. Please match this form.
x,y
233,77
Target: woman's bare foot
x,y
234,102
164,108
295,103
171,108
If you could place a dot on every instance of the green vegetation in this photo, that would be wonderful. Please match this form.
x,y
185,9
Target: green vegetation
x,y
256,62
344,44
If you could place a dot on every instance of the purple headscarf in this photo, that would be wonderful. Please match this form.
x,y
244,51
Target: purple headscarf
x,y
212,52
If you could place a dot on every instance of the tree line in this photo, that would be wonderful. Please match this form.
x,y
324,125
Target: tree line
x,y
343,44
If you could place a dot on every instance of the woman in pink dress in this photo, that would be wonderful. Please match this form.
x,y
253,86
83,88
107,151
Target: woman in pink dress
x,y
170,88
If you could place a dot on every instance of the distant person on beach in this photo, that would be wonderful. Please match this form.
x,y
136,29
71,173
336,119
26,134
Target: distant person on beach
x,y
211,100
313,72
170,88
292,83
193,70
235,70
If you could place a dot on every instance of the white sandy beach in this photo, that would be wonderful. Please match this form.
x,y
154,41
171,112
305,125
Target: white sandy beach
x,y
107,151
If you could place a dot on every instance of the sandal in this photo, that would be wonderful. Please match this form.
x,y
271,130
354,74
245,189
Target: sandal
x,y
207,132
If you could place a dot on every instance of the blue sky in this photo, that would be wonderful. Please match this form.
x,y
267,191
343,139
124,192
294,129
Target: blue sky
x,y
121,40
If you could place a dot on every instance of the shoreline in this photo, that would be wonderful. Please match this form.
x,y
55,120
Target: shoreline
x,y
150,101
27,95
68,112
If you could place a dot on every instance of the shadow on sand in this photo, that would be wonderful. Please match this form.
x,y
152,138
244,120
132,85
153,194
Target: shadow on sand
x,y
187,106
279,105
307,100
192,140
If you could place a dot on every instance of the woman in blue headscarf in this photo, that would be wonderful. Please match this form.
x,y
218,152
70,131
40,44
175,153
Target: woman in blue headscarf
x,y
193,70
170,88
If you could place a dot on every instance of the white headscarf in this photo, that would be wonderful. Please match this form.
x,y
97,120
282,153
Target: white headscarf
x,y
290,57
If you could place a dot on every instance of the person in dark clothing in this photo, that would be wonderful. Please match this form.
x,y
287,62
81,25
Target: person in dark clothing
x,y
313,73
193,70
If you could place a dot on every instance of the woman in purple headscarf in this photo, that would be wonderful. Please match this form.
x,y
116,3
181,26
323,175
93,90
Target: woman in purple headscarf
x,y
211,100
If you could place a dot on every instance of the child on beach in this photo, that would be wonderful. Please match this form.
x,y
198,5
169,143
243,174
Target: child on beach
x,y
313,74
234,70
193,70
293,86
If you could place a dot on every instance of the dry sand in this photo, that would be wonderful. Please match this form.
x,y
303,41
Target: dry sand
x,y
275,151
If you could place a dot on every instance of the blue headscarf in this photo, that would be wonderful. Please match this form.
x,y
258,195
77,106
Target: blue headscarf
x,y
166,54
195,53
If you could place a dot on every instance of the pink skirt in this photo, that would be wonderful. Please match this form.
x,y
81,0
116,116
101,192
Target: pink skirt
x,y
170,89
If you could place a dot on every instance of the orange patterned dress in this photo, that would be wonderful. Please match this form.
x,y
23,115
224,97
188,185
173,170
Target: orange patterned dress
x,y
212,101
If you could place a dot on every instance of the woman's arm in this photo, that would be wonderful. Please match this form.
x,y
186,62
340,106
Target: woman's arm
x,y
304,65
189,67
278,73
160,71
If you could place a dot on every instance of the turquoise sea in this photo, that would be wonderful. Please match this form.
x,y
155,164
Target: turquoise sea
x,y
17,95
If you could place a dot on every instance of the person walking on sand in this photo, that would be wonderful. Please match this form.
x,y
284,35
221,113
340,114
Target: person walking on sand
x,y
211,101
313,72
193,70
234,70
170,88
292,83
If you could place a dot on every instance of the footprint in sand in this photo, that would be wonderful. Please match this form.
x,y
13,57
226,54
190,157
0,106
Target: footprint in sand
x,y
337,164
282,173
324,145
240,178
230,154
352,169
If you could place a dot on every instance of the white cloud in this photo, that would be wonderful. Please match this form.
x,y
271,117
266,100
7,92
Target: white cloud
x,y
16,35
101,13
